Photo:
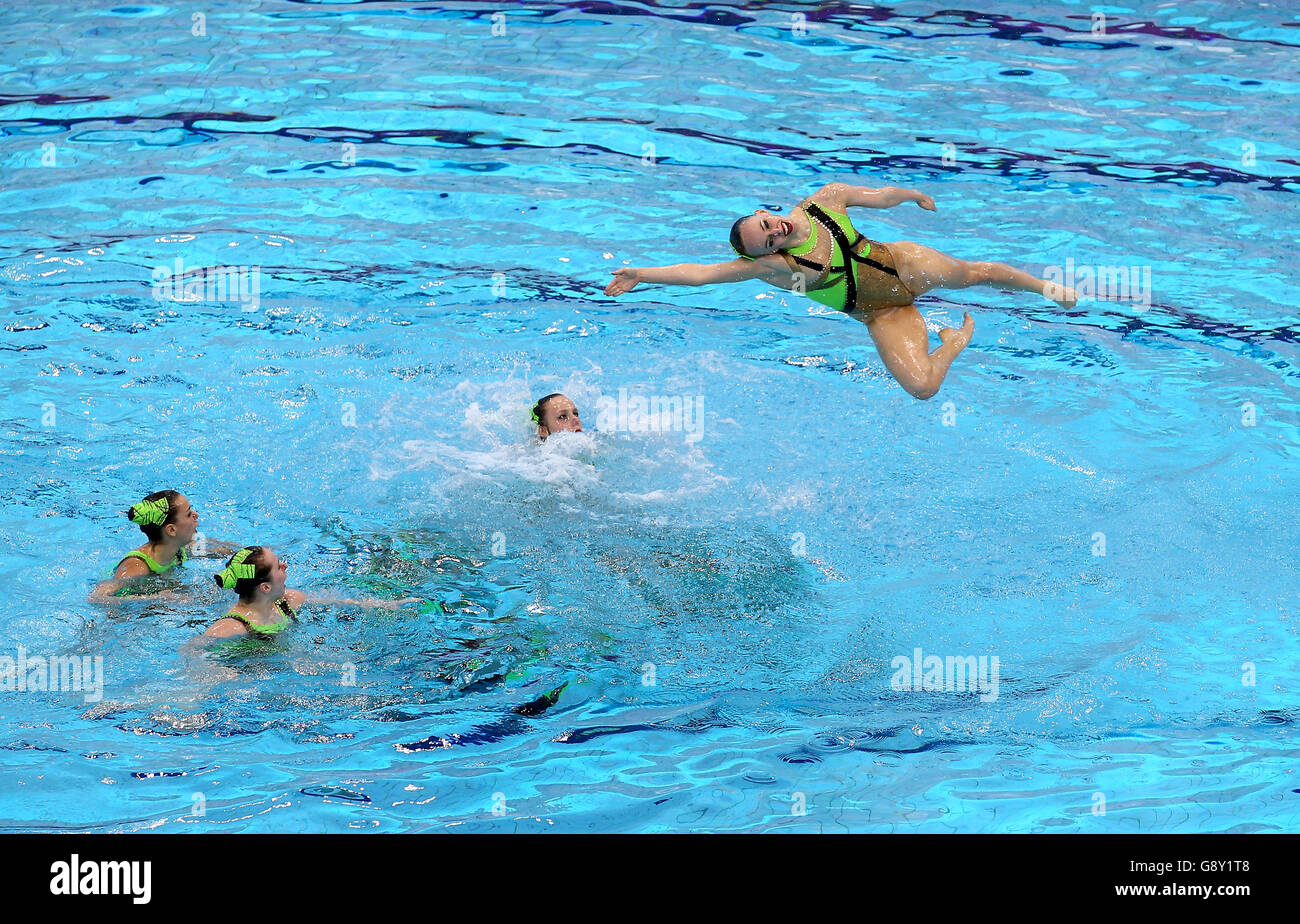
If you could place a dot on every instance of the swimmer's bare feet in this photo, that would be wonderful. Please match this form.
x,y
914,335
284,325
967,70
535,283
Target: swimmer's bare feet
x,y
1063,296
959,338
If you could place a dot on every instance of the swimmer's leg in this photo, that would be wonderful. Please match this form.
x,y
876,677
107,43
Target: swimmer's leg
x,y
904,344
923,268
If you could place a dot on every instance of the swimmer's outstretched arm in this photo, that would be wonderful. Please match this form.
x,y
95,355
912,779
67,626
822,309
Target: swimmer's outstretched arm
x,y
213,548
697,274
367,602
885,197
228,628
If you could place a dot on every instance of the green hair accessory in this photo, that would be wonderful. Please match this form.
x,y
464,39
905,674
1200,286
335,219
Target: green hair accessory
x,y
239,568
532,412
150,512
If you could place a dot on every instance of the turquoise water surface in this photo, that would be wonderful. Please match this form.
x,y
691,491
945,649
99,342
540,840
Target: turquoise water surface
x,y
689,628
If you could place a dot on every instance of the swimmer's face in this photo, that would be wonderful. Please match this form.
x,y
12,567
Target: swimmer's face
x,y
186,523
763,233
274,584
559,414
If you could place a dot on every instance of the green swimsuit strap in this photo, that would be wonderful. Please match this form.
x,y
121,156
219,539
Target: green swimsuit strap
x,y
842,289
181,558
270,628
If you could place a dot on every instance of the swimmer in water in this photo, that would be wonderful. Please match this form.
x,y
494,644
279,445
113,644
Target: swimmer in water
x,y
170,524
266,606
809,252
555,413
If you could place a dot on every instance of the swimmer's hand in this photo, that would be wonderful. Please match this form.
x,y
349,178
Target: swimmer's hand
x,y
924,202
394,604
624,280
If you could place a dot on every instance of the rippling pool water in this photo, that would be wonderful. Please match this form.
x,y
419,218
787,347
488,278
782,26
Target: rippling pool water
x,y
1103,498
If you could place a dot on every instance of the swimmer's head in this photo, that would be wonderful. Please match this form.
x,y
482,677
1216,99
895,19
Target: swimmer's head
x,y
165,515
555,413
252,571
760,234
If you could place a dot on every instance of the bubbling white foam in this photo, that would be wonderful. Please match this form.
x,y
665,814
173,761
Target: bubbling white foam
x,y
494,445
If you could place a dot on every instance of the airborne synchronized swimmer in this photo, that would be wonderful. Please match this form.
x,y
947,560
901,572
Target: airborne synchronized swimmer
x,y
816,250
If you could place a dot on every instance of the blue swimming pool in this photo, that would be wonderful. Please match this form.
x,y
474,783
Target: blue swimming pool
x,y
425,201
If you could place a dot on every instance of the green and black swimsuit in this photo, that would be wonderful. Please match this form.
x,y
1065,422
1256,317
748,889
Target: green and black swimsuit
x,y
182,556
269,630
865,280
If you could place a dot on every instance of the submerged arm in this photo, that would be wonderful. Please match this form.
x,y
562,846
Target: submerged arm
x,y
367,602
213,548
127,572
107,592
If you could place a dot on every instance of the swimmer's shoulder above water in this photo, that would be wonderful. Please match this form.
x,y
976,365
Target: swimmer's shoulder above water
x,y
266,605
170,524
